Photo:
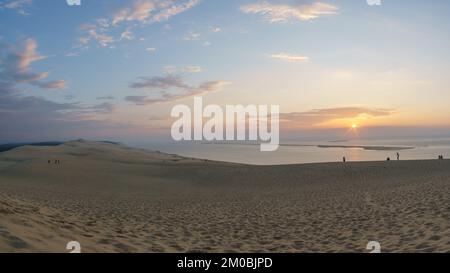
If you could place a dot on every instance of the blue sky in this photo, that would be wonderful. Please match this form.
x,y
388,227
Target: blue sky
x,y
114,69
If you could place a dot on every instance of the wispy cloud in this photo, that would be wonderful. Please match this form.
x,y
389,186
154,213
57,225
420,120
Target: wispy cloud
x,y
151,50
289,57
170,88
33,116
159,82
102,108
170,69
152,11
106,98
17,5
127,35
96,33
30,118
192,36
319,116
140,12
59,84
72,54
171,9
284,12
15,66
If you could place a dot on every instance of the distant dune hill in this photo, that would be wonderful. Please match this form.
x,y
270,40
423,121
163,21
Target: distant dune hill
x,y
112,198
7,147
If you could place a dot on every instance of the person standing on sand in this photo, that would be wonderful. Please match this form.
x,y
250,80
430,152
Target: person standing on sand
x,y
398,156
344,159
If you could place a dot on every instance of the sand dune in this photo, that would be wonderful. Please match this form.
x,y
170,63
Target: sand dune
x,y
112,198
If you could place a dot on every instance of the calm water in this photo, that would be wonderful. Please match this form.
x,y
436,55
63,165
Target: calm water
x,y
250,154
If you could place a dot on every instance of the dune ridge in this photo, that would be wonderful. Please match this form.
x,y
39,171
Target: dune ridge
x,y
112,198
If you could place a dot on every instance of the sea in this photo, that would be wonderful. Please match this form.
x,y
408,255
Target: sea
x,y
300,152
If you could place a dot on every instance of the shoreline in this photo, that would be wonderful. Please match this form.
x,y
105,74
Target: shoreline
x,y
13,146
364,147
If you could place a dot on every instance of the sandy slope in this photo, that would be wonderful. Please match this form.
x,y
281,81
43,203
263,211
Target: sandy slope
x,y
116,199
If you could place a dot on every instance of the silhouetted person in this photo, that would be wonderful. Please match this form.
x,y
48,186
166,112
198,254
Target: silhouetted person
x,y
344,159
398,156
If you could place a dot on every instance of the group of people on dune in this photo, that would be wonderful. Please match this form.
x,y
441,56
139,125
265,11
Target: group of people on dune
x,y
56,161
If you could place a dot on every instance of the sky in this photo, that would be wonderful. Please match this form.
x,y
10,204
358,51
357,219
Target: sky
x,y
113,69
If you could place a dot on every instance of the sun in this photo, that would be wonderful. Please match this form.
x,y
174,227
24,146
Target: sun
x,y
354,126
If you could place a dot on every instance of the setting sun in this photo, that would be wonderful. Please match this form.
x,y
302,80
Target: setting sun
x,y
354,126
